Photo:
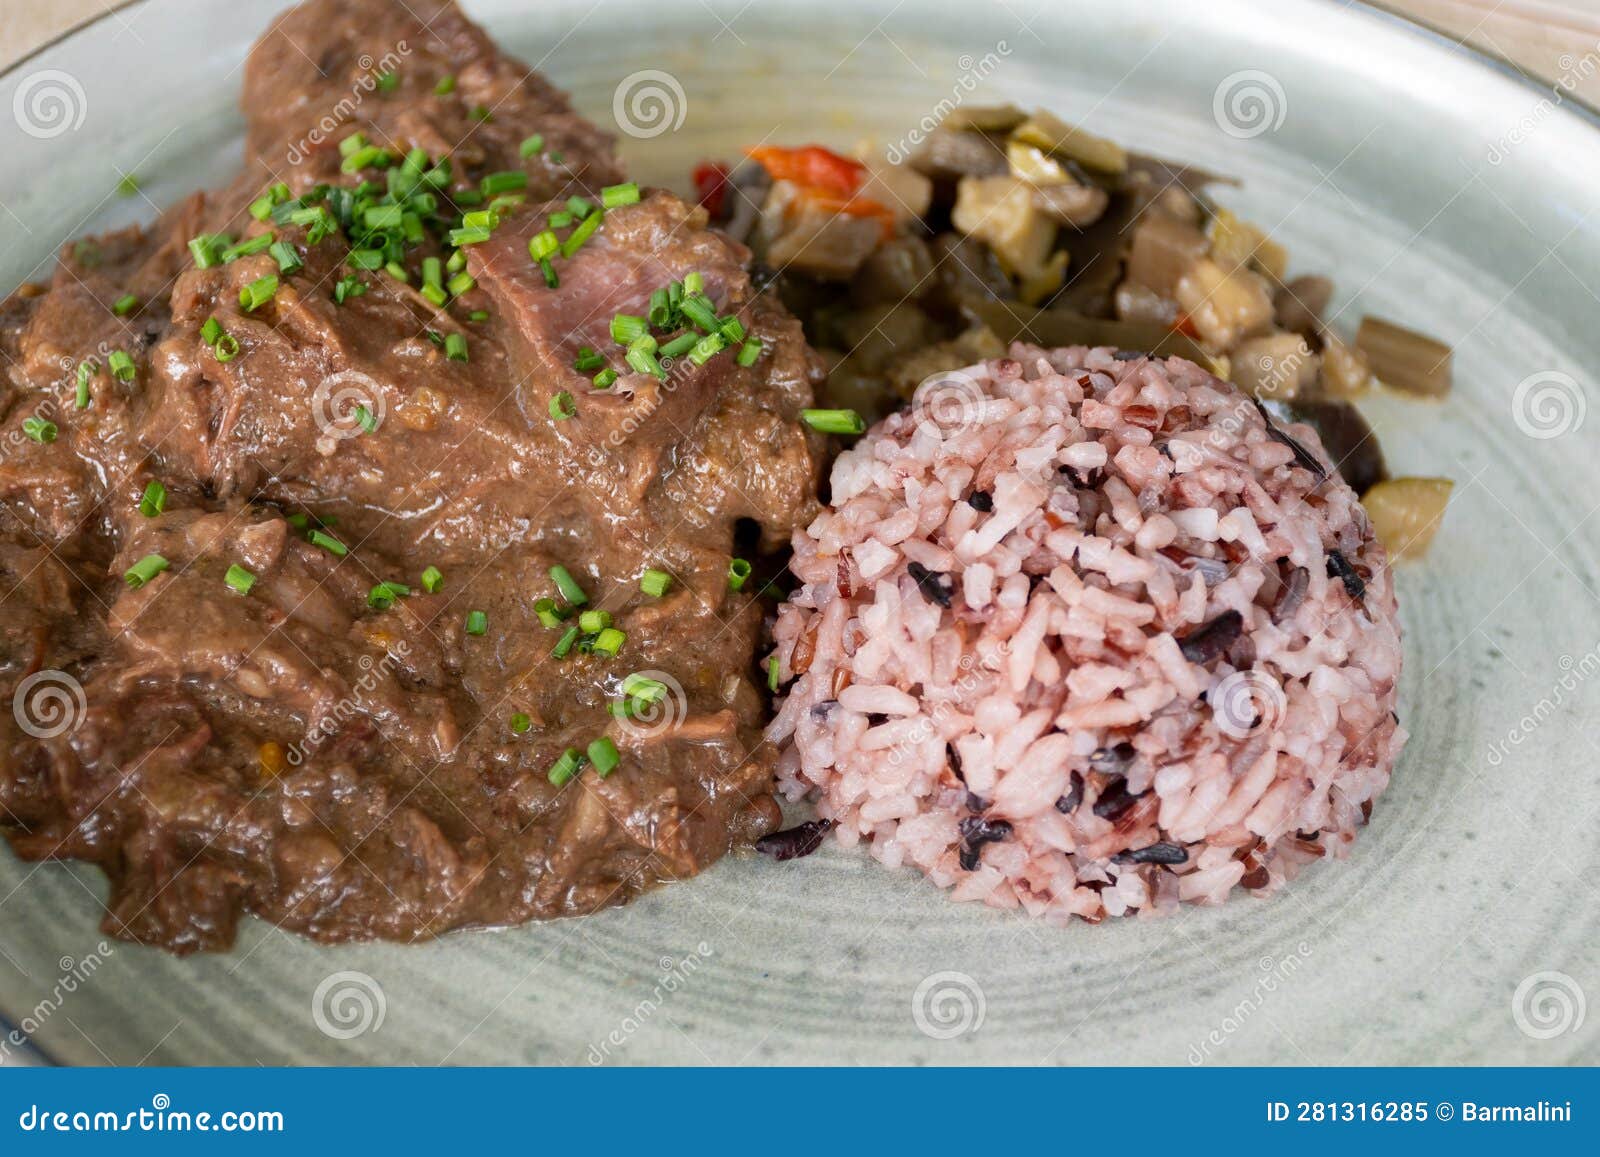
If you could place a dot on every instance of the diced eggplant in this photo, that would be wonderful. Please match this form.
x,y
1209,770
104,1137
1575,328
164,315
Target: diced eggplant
x,y
1277,365
1048,132
1224,307
1000,212
1404,359
1406,512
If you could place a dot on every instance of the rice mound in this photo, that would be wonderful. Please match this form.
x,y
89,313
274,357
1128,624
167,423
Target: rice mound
x,y
1089,634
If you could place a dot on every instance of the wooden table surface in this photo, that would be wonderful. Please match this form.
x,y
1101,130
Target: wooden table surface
x,y
1547,38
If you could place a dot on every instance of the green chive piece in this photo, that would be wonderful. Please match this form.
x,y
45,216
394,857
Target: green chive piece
x,y
455,347
446,86
154,500
521,722
605,379
582,233
260,291
588,360
226,349
655,582
616,196
641,356
694,282
603,754
211,331
432,580
565,645
563,407
543,244
144,570
568,586
348,287
40,430
707,348
773,674
397,271
432,271
123,306
609,641
261,208
477,623
469,236
382,596
461,283
366,418
328,543
122,367
383,216
352,144
531,145
732,329
478,315
698,309
260,243
206,249
569,765
368,259
509,181
128,186
560,220
593,622
643,688
482,113
750,351
680,345
387,81
626,327
549,614
738,573
834,421
660,309
81,400
551,279
239,579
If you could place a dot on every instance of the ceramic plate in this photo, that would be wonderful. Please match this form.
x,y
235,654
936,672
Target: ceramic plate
x,y
1436,189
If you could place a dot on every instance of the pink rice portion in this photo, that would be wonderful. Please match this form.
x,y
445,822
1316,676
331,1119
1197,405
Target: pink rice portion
x,y
1044,742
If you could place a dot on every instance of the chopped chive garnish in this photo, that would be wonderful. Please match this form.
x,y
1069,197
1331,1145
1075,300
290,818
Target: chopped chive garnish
x,y
616,196
591,622
455,347
569,765
154,500
446,86
478,315
328,543
560,220
239,579
206,249
566,642
738,573
348,287
461,283
749,352
432,271
123,306
543,244
383,216
40,430
641,356
432,580
128,186
625,327
211,331
643,688
834,421
732,329
707,348
603,754
588,360
122,367
366,419
367,259
698,309
551,278
609,641
680,345
773,674
144,570
226,349
579,207
260,291
352,144
363,159
694,282
655,582
521,722
509,181
469,236
477,623
397,271
568,586
605,379
482,113
388,81
582,233
261,208
81,400
549,614
531,145
382,596
562,407
260,243
660,309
